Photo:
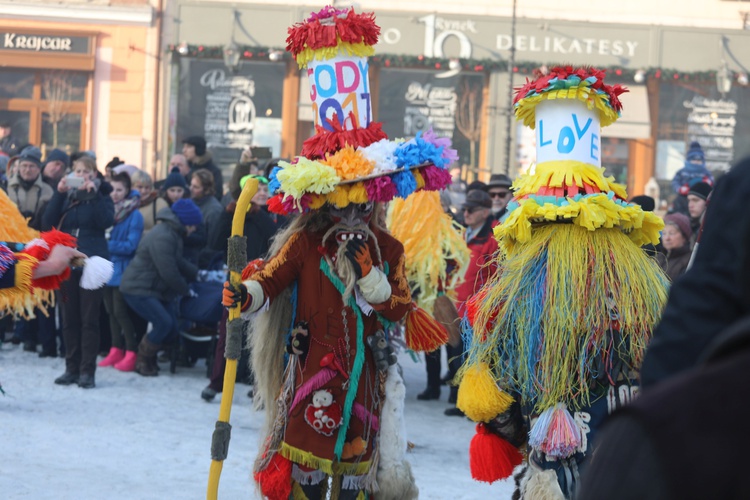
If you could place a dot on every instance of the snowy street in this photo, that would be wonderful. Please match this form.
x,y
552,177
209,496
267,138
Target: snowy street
x,y
142,438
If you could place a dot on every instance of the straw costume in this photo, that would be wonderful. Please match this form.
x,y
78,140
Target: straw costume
x,y
556,337
322,304
21,250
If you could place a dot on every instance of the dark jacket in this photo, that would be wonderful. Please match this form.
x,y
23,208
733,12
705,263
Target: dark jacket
x,y
31,199
714,294
211,209
84,215
676,262
259,229
684,439
158,268
10,145
207,162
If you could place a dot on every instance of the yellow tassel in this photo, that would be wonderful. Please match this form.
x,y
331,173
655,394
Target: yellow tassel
x,y
307,459
317,201
479,397
358,193
339,197
341,48
422,332
297,493
418,177
526,107
557,173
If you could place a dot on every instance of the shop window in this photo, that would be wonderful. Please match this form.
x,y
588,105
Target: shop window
x,y
413,101
16,84
45,107
615,154
62,130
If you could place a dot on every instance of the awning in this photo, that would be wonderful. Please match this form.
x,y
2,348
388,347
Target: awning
x,y
635,122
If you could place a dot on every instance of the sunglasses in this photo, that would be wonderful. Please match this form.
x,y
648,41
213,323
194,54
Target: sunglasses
x,y
471,210
499,195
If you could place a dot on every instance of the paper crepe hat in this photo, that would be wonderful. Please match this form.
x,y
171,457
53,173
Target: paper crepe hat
x,y
350,159
567,108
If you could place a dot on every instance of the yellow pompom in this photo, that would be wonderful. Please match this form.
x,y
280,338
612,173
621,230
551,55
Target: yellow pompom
x,y
339,197
317,201
358,193
418,176
479,397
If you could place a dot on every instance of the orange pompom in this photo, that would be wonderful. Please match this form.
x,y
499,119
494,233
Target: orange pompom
x,y
423,332
491,457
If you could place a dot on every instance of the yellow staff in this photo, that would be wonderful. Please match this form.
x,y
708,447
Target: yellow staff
x,y
236,261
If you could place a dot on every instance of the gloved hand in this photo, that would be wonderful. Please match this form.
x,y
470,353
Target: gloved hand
x,y
232,295
358,253
684,190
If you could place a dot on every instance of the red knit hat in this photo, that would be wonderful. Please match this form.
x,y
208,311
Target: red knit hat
x,y
682,222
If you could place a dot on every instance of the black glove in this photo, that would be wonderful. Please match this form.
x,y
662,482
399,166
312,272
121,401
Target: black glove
x,y
358,254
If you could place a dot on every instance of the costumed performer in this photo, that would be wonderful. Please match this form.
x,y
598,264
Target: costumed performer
x,y
335,283
560,331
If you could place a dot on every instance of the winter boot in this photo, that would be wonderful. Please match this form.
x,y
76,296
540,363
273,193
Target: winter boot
x,y
145,364
429,393
115,356
208,393
127,364
86,381
67,378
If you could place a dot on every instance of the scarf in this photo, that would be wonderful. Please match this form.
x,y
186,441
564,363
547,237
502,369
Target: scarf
x,y
145,201
126,207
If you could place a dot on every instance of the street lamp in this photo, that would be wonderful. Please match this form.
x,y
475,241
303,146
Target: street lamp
x,y
232,56
723,80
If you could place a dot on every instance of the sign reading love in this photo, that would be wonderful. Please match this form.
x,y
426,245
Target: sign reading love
x,y
567,130
340,91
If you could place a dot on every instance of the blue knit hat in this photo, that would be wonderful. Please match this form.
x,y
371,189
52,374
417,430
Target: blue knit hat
x,y
32,154
175,179
695,153
187,211
58,155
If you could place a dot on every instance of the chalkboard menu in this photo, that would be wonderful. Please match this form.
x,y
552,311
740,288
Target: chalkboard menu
x,y
711,123
231,111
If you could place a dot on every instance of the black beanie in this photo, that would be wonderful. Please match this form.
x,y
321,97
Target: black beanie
x,y
199,143
647,203
175,179
700,189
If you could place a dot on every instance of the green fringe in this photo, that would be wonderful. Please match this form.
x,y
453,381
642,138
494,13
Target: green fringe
x,y
359,361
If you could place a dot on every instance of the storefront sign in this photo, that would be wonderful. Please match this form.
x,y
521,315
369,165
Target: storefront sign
x,y
711,122
44,43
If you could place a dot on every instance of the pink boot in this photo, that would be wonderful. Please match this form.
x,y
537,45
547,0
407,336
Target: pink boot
x,y
127,364
114,356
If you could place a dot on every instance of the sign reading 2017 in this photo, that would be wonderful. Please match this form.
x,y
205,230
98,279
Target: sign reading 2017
x,y
340,87
567,130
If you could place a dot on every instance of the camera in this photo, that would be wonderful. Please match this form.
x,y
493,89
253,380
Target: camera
x,y
74,182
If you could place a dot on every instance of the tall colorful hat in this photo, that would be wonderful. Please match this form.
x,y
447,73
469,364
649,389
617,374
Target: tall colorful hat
x,y
350,159
567,108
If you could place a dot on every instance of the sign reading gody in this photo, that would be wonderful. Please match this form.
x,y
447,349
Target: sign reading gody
x,y
340,86
567,129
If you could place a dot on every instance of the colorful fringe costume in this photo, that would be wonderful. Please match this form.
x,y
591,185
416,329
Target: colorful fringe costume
x,y
323,367
558,334
21,249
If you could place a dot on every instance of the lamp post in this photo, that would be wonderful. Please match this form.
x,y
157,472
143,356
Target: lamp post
x,y
231,50
509,115
723,80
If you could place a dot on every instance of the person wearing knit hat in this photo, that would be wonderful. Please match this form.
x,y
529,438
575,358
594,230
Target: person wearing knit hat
x,y
158,275
693,172
187,212
646,203
174,187
676,241
697,200
194,150
55,166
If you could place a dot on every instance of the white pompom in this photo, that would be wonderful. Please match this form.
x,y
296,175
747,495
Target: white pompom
x,y
97,272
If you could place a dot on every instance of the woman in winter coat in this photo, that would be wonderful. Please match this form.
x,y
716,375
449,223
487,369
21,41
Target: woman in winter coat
x,y
151,202
676,240
123,241
85,212
158,275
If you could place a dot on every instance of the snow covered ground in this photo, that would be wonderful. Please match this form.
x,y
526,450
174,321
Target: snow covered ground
x,y
149,438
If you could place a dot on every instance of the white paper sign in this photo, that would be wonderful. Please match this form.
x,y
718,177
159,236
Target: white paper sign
x,y
340,86
567,130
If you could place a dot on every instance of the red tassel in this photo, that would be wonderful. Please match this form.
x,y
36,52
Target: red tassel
x,y
276,479
491,458
252,267
40,252
423,332
274,205
324,142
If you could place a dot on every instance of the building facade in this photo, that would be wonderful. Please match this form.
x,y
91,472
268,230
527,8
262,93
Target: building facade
x,y
82,75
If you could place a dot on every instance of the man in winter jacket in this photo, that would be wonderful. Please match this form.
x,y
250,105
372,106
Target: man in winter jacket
x,y
55,166
194,149
157,275
27,189
482,244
